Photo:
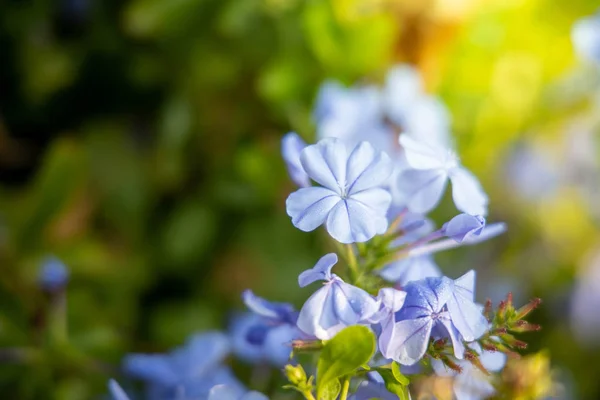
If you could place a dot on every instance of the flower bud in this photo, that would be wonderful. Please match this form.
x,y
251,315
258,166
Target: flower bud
x,y
295,374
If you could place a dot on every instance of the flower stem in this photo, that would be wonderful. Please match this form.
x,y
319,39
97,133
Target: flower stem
x,y
345,388
308,395
352,263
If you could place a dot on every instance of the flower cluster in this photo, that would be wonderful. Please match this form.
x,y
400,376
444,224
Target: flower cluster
x,y
383,161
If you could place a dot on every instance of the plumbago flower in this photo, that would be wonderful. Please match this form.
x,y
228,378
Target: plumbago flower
x,y
424,183
265,334
186,373
291,147
436,307
417,262
352,201
334,306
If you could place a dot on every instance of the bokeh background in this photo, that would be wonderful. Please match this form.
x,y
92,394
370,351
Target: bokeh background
x,y
139,143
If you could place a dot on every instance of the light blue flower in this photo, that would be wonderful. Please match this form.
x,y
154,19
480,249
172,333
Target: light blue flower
x,y
405,102
585,35
116,391
466,315
410,269
471,383
224,392
422,316
391,301
373,390
267,334
53,275
430,169
187,372
291,147
463,227
352,202
335,305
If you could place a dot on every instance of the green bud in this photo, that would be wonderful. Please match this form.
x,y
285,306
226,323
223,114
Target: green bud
x,y
295,374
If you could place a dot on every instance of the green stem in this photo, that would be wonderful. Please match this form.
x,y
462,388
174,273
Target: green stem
x,y
352,263
345,388
308,395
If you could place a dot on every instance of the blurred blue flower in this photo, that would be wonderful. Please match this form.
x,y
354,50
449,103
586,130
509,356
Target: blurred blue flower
x,y
187,372
407,339
335,305
53,275
267,333
423,116
585,35
463,226
352,202
471,383
353,115
116,391
372,390
430,169
291,147
410,269
224,392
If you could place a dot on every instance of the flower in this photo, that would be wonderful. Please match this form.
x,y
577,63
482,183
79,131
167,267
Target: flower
x,y
53,275
224,392
266,334
188,371
585,35
410,269
466,316
373,390
291,147
408,106
406,340
334,306
116,391
391,301
425,181
352,202
353,115
463,226
471,383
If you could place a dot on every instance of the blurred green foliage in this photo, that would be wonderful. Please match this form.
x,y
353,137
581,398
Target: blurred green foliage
x,y
139,143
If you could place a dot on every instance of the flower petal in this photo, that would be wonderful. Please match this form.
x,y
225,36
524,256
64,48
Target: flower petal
x,y
464,226
321,270
421,155
410,269
291,147
422,189
465,314
223,392
352,304
325,163
410,340
376,199
367,168
116,391
278,344
280,312
467,192
455,336
309,207
352,221
317,316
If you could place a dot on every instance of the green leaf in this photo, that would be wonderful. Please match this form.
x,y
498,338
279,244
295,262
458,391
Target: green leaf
x,y
392,384
345,353
403,380
330,391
